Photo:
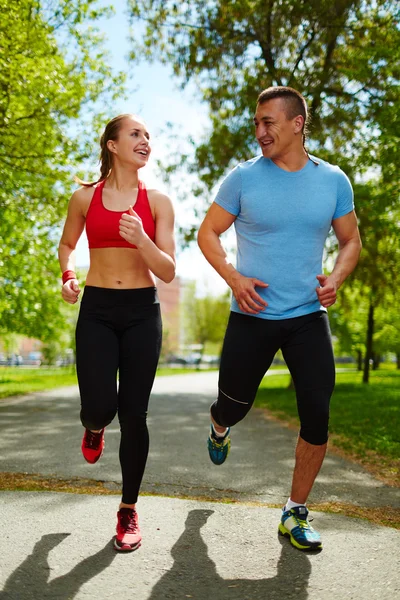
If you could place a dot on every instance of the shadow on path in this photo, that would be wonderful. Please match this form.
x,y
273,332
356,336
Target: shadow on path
x,y
30,580
194,574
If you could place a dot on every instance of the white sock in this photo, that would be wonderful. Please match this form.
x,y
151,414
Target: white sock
x,y
290,504
217,433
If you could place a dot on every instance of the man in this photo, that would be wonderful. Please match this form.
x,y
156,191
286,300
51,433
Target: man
x,y
283,204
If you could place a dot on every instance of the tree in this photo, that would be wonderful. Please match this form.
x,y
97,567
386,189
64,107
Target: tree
x,y
10,343
205,318
387,336
378,271
343,56
366,304
348,321
54,76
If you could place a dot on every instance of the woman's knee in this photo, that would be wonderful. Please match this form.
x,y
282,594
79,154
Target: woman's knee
x,y
96,419
133,421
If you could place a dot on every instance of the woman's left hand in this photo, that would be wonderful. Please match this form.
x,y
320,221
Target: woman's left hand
x,y
131,228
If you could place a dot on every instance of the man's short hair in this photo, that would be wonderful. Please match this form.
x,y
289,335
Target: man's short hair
x,y
295,103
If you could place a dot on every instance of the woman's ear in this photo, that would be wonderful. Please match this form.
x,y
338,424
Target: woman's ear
x,y
111,146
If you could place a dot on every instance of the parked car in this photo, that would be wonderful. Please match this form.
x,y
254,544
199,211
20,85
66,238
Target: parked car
x,y
193,359
14,360
174,359
210,360
34,359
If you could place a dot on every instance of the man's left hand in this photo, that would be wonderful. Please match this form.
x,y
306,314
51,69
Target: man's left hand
x,y
327,291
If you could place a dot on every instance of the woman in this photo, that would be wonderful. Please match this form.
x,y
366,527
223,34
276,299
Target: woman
x,y
131,239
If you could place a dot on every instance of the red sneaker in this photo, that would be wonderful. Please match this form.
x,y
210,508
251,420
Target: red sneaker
x,y
128,536
92,445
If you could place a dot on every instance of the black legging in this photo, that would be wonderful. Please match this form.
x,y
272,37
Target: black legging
x,y
119,330
249,348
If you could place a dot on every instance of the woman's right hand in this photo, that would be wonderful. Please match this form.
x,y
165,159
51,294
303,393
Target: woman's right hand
x,y
70,291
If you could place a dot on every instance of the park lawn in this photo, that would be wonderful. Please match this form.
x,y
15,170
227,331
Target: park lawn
x,y
15,381
364,420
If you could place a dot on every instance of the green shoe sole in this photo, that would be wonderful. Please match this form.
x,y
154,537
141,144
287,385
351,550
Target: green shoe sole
x,y
284,532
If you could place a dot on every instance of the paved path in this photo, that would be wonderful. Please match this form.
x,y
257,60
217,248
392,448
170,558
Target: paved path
x,y
42,435
57,546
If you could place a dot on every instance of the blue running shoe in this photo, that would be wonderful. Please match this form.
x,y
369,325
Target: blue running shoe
x,y
294,525
218,448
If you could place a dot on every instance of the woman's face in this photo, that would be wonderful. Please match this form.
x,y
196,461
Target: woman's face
x,y
133,144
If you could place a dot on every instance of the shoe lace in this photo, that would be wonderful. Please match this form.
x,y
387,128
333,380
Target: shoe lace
x,y
129,521
217,445
302,523
219,442
92,440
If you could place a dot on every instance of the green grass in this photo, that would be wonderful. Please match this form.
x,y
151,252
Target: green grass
x,y
364,417
165,371
15,381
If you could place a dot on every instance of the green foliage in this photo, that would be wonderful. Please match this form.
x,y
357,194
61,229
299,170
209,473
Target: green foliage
x,y
10,343
205,318
378,212
376,277
53,75
387,329
343,56
348,321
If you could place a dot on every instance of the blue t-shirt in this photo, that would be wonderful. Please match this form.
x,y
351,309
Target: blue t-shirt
x,y
282,222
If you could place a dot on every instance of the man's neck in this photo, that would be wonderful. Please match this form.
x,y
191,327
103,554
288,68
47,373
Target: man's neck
x,y
293,160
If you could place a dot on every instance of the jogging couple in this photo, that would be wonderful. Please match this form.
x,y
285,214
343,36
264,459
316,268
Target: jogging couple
x,y
282,204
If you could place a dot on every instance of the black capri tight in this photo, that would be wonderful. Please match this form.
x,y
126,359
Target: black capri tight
x,y
249,348
119,331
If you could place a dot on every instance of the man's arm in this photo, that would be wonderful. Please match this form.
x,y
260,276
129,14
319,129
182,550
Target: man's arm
x,y
348,236
215,223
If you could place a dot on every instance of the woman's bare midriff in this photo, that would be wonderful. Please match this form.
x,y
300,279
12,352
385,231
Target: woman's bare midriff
x,y
118,268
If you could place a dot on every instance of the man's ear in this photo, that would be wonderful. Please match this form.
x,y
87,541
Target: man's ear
x,y
298,124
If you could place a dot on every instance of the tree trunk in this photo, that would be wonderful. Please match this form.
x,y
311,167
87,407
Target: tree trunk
x,y
398,359
359,360
368,350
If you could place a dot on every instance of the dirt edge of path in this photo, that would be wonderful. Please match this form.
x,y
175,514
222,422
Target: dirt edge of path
x,y
24,482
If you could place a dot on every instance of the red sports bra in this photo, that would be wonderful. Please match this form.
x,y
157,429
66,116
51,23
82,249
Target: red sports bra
x,y
102,224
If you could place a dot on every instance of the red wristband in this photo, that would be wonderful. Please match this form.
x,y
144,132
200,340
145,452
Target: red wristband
x,y
67,275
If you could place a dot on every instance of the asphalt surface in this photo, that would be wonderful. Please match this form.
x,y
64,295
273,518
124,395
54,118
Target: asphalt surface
x,y
55,545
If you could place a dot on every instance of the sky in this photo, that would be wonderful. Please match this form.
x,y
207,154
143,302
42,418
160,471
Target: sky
x,y
154,94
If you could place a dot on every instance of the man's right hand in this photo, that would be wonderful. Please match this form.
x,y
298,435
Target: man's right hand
x,y
243,289
70,291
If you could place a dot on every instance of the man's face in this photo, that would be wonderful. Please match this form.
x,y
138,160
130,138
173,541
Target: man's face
x,y
275,133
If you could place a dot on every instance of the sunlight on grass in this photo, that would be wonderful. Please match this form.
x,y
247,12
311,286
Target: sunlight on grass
x,y
364,417
15,381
